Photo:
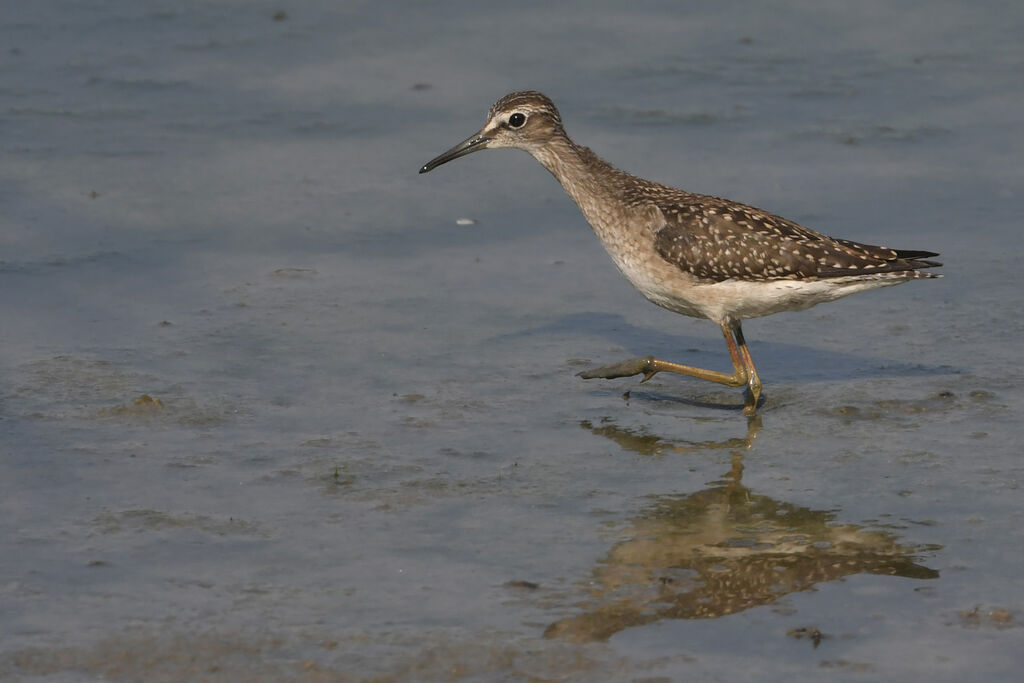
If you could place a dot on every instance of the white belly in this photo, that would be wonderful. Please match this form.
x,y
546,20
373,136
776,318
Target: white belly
x,y
735,300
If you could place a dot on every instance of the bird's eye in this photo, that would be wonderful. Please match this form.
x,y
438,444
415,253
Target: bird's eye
x,y
517,120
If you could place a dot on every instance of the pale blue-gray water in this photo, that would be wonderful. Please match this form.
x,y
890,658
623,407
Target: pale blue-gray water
x,y
272,409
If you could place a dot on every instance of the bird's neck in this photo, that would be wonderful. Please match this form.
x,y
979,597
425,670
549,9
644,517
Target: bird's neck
x,y
592,182
602,193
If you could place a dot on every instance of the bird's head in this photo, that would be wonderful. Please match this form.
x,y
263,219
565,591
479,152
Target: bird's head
x,y
525,120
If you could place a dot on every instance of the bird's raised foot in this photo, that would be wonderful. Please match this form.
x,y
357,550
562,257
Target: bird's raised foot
x,y
649,366
627,368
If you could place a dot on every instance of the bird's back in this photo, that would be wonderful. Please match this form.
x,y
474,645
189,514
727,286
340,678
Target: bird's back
x,y
716,239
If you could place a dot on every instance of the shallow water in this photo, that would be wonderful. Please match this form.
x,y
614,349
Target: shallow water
x,y
268,412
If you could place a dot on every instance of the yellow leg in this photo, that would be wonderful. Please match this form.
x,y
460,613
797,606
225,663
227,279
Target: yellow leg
x,y
753,381
742,365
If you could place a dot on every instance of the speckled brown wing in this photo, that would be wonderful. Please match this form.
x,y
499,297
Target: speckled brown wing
x,y
718,240
892,260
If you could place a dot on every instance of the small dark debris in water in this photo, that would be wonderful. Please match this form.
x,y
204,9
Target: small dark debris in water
x,y
525,585
294,273
165,323
811,632
338,480
97,563
746,40
421,86
347,481
280,15
93,194
625,396
946,393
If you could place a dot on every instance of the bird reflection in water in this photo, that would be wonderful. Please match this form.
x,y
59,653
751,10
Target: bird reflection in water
x,y
720,551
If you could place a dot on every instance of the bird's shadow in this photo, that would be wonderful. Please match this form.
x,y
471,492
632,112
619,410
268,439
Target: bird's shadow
x,y
781,361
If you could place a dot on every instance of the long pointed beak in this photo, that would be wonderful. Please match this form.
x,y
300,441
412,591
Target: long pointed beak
x,y
467,146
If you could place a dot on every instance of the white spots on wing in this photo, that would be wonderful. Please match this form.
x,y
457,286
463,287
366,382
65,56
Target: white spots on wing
x,y
717,240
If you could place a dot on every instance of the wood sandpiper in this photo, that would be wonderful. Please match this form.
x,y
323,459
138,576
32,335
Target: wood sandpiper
x,y
694,254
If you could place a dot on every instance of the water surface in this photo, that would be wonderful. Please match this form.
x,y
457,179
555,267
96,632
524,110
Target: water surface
x,y
268,412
